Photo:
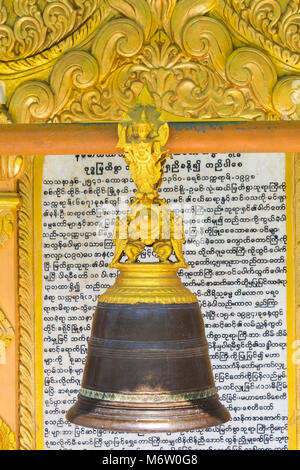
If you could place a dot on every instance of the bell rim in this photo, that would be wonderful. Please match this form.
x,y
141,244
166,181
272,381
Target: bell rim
x,y
99,415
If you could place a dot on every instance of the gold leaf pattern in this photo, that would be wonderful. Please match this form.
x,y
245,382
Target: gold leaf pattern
x,y
251,68
205,37
37,26
184,11
10,167
3,12
180,85
161,14
289,26
76,69
119,38
136,10
7,437
286,97
262,23
32,102
190,67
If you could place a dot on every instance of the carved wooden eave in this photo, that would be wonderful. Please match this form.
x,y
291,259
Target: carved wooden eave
x,y
86,61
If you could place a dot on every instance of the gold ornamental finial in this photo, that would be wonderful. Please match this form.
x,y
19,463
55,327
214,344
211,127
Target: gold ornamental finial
x,y
145,98
142,136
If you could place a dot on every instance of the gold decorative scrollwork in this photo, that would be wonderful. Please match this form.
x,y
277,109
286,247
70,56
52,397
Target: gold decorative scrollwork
x,y
287,91
202,37
264,24
27,28
10,167
36,101
184,53
32,101
7,437
250,68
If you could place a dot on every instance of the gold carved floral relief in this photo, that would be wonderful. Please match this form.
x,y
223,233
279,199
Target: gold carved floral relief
x,y
10,167
30,31
200,59
267,24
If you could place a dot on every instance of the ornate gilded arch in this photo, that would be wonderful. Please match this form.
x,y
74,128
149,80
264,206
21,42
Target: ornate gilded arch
x,y
67,61
86,61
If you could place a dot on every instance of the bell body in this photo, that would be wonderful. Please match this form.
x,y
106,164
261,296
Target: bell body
x,y
148,368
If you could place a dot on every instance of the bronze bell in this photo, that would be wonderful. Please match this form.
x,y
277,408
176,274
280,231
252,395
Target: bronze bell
x,y
147,368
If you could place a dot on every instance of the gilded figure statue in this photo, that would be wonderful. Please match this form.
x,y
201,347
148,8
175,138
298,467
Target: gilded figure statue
x,y
148,222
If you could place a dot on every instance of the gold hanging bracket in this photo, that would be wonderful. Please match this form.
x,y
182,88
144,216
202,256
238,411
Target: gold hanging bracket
x,y
149,222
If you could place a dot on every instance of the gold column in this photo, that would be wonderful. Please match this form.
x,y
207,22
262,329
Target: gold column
x,y
10,169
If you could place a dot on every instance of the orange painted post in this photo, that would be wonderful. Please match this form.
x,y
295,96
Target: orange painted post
x,y
185,137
